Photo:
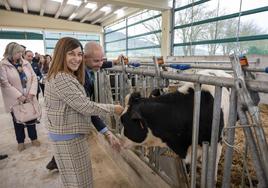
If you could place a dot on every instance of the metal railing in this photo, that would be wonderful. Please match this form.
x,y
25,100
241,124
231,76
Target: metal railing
x,y
144,79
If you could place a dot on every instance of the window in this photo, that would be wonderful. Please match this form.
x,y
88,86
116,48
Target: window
x,y
210,27
138,36
51,38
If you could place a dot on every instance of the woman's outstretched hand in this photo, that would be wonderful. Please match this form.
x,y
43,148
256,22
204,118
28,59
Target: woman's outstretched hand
x,y
118,109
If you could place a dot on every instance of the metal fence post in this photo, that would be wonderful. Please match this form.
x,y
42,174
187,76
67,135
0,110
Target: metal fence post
x,y
253,148
195,132
246,101
204,172
230,139
214,138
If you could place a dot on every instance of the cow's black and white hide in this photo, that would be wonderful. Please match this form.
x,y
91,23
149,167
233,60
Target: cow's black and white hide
x,y
167,120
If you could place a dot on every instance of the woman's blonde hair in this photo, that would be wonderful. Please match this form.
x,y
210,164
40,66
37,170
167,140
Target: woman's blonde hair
x,y
59,63
11,49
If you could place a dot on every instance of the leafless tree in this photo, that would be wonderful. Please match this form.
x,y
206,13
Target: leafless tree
x,y
248,28
204,32
152,25
192,33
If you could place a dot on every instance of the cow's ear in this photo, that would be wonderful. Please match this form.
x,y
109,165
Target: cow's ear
x,y
136,116
134,98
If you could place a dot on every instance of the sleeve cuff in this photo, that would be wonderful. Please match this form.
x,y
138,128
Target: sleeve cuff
x,y
104,130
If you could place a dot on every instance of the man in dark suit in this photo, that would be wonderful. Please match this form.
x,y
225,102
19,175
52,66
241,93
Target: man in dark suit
x,y
94,56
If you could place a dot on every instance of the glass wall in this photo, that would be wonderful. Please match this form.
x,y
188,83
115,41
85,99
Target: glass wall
x,y
213,27
136,36
51,38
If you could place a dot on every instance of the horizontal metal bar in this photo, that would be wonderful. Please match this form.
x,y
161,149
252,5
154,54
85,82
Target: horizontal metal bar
x,y
225,17
199,66
51,38
242,126
144,34
150,63
257,69
260,86
135,36
145,20
20,35
198,62
191,5
130,25
140,48
225,40
116,40
56,39
106,33
146,47
120,50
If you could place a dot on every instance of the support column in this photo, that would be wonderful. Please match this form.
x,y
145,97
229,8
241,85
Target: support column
x,y
165,41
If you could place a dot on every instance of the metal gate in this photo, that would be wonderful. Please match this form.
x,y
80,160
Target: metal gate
x,y
139,76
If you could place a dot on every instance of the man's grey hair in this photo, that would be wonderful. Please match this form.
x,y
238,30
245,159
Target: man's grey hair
x,y
91,46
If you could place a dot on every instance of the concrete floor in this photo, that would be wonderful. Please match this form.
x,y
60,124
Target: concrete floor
x,y
27,168
111,169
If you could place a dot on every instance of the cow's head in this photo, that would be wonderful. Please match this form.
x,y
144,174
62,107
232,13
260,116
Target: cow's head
x,y
134,126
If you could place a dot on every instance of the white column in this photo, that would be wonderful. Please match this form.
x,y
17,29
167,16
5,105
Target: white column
x,y
165,43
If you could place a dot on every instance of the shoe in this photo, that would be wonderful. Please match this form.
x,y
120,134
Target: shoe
x,y
36,143
52,164
21,147
3,157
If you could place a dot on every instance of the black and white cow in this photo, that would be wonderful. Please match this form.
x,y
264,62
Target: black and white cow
x,y
167,120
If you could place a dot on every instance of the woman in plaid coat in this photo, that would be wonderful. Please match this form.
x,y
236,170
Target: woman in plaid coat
x,y
68,111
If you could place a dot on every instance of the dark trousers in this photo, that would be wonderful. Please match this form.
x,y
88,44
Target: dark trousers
x,y
20,133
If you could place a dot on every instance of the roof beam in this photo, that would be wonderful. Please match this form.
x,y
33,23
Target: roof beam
x,y
24,6
98,19
148,4
105,15
42,8
6,4
42,22
116,18
60,9
99,5
78,9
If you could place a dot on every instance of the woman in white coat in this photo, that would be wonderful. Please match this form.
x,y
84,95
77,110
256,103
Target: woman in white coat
x,y
18,84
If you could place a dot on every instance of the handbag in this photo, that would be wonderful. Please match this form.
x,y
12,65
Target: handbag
x,y
26,112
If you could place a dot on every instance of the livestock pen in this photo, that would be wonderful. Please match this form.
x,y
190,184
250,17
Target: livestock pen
x,y
135,76
189,35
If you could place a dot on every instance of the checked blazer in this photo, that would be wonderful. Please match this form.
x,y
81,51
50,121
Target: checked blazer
x,y
67,106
